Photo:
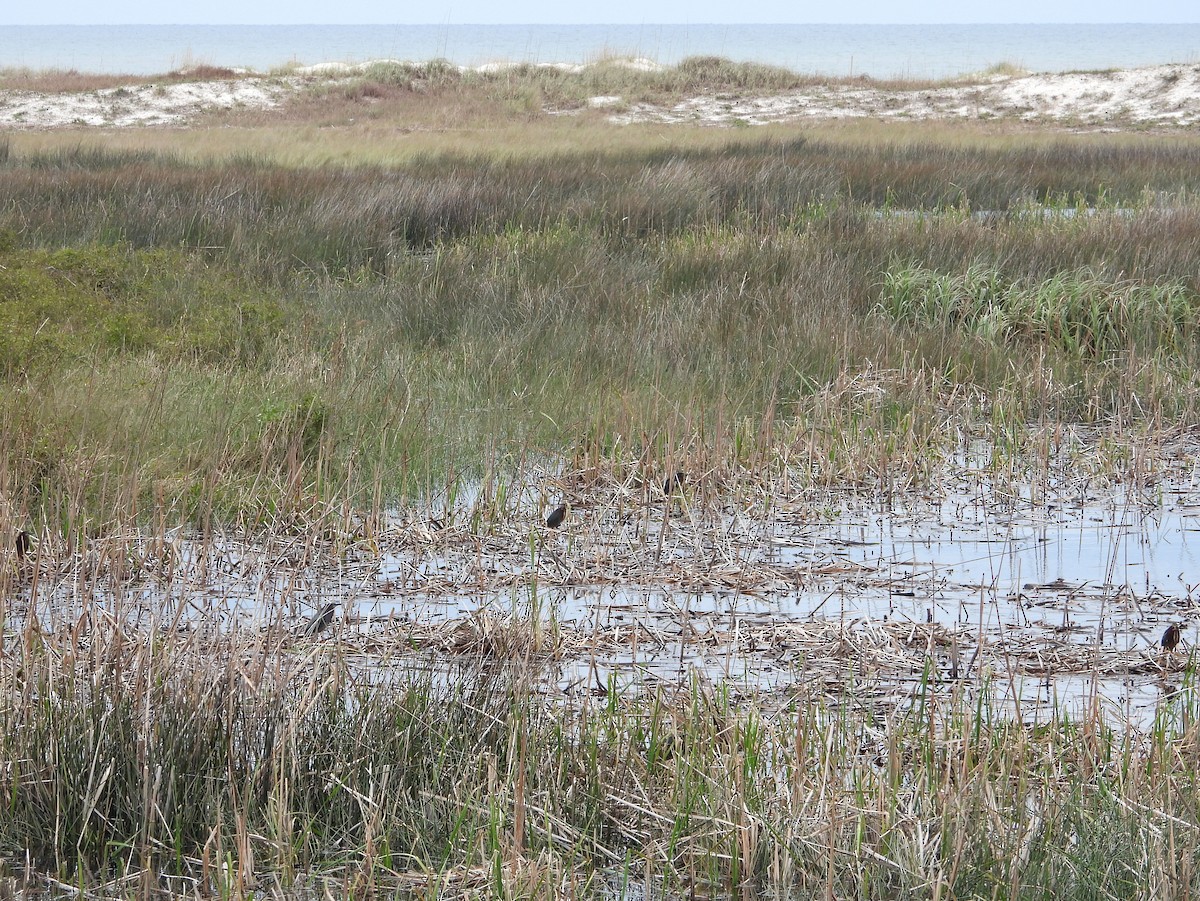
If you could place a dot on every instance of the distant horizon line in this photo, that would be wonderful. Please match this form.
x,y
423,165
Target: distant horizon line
x,y
557,24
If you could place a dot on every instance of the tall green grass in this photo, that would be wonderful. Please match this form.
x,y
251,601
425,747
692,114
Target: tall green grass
x,y
1080,313
247,339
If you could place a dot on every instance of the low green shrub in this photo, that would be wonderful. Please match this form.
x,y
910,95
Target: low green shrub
x,y
71,304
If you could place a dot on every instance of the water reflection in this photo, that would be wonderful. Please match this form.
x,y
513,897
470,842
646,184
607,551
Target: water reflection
x,y
1053,594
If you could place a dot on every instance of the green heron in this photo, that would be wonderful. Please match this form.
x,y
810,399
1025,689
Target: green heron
x,y
556,517
674,483
1171,637
320,621
24,544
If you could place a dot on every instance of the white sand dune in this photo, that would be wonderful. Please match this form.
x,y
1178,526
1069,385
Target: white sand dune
x,y
1162,96
1158,95
147,104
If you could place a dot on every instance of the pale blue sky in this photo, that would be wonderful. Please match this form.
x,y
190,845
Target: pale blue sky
x,y
85,12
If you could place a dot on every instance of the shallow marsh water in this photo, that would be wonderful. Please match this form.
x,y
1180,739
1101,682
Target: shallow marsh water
x,y
1052,589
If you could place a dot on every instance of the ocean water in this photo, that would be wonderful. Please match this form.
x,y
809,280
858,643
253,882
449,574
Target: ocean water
x,y
917,51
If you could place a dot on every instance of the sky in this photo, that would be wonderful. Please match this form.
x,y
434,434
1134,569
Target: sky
x,y
454,12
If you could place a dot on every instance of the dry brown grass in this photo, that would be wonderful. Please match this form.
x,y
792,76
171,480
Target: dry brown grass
x,y
347,133
64,81
69,81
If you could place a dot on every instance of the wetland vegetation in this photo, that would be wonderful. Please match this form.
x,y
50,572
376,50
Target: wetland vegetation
x,y
206,343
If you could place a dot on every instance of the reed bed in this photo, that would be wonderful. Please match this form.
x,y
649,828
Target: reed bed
x,y
721,551
149,761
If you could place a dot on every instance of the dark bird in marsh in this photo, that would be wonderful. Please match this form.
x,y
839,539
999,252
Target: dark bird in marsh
x,y
674,483
1172,637
320,621
556,517
24,544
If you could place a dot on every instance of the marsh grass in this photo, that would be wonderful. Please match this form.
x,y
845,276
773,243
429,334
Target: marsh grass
x,y
330,219
253,763
284,352
358,334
